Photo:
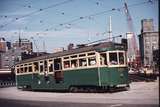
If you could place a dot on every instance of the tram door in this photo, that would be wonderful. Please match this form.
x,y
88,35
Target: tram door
x,y
58,73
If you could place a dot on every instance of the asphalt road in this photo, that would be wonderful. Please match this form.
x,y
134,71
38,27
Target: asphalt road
x,y
141,94
17,103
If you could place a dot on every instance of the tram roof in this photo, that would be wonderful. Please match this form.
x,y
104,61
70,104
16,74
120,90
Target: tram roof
x,y
94,47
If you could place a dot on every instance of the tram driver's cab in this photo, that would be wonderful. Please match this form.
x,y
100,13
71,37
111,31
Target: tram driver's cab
x,y
113,58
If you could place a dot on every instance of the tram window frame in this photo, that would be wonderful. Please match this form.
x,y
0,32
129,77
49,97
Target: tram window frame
x,y
81,60
21,69
91,53
30,69
123,61
74,63
104,60
66,64
50,65
73,56
18,70
66,57
45,65
57,64
82,55
25,69
90,61
113,61
41,66
36,66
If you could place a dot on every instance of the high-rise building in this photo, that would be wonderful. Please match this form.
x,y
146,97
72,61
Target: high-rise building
x,y
148,41
3,45
147,25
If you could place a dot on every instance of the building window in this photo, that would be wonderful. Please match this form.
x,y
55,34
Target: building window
x,y
147,46
146,52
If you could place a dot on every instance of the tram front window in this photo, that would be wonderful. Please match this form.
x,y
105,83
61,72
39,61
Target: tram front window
x,y
113,58
116,58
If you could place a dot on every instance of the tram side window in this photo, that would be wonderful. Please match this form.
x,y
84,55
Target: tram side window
x,y
113,58
45,65
66,64
103,59
21,70
82,62
25,69
121,58
91,61
41,67
35,64
74,63
18,70
50,67
57,64
30,68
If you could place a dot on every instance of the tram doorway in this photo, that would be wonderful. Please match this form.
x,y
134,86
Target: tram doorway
x,y
59,76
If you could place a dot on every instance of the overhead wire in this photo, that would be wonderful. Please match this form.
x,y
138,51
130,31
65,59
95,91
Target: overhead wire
x,y
96,14
37,11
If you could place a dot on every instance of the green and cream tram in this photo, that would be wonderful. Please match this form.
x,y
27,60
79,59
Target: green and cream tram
x,y
102,65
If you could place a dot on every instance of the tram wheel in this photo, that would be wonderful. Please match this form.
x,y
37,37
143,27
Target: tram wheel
x,y
127,88
73,89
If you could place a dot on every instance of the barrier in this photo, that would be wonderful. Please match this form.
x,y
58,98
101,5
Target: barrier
x,y
7,84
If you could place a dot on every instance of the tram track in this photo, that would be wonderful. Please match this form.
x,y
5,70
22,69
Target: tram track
x,y
142,77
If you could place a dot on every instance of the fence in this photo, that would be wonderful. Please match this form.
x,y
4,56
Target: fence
x,y
7,84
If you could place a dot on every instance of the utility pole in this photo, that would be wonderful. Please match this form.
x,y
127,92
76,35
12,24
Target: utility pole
x,y
19,41
44,47
110,30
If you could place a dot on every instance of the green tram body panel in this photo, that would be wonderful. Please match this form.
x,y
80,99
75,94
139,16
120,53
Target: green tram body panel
x,y
102,76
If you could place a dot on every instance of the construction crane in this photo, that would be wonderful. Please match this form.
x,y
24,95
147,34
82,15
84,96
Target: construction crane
x,y
133,52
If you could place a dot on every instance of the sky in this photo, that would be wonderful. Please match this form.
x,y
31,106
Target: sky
x,y
52,24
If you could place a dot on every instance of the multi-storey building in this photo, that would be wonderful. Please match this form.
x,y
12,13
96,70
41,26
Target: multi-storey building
x,y
3,45
9,58
148,41
24,44
10,55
